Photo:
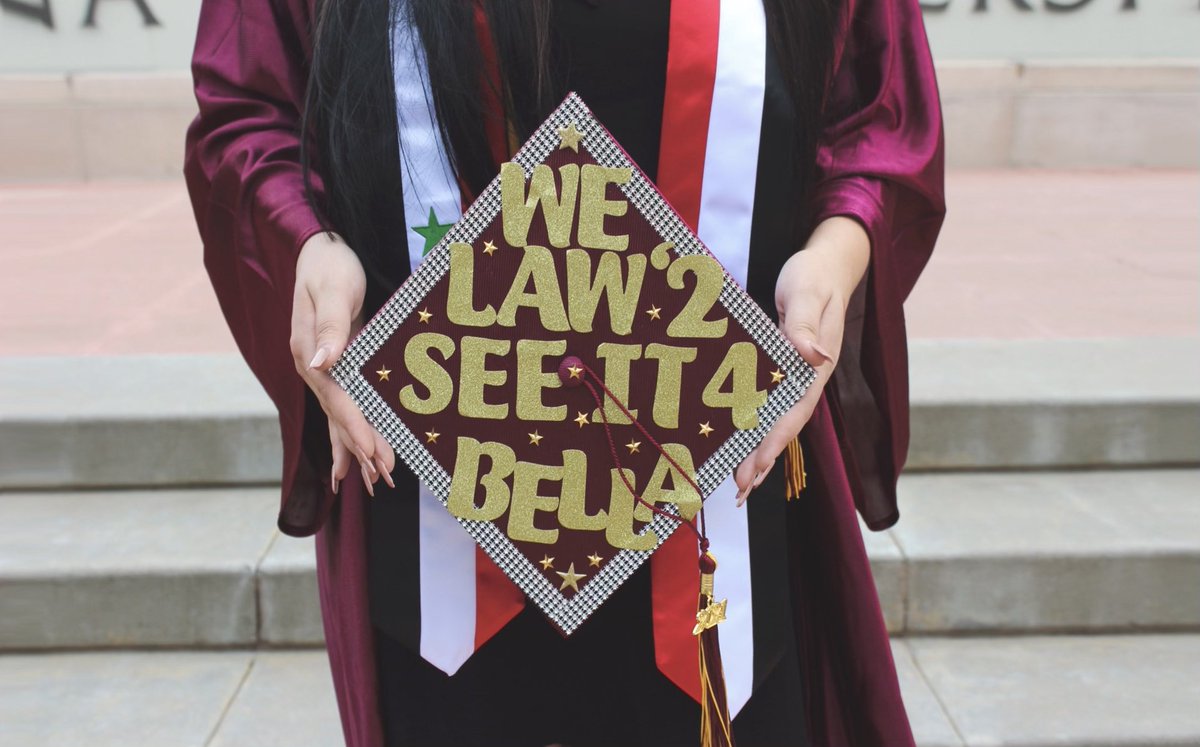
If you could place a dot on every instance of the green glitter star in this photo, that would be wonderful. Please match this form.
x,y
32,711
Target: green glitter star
x,y
433,232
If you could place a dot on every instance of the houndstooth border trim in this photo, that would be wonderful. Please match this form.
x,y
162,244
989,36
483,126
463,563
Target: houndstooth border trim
x,y
567,613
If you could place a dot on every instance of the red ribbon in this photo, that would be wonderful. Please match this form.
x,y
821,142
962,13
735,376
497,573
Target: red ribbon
x,y
687,103
691,75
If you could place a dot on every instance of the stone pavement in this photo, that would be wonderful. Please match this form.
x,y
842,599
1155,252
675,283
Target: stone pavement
x,y
115,268
1121,691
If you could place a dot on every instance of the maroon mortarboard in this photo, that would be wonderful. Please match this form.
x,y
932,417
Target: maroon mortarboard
x,y
570,370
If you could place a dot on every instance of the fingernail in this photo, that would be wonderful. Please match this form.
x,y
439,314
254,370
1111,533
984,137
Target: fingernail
x,y
367,481
333,481
741,497
387,478
320,358
366,463
822,352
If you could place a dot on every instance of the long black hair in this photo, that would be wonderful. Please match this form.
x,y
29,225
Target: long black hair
x,y
350,117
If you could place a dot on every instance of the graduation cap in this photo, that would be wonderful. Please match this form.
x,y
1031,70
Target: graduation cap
x,y
570,371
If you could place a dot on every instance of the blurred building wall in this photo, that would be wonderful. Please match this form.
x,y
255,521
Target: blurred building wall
x,y
1022,30
99,88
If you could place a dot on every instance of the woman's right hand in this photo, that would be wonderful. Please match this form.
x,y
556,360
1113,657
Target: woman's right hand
x,y
326,311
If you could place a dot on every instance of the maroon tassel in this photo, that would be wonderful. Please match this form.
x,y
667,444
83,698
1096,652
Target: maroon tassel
x,y
715,727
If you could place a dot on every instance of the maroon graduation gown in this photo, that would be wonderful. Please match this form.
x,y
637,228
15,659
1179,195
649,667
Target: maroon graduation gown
x,y
880,163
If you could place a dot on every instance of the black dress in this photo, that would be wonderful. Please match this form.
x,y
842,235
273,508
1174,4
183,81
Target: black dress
x,y
528,686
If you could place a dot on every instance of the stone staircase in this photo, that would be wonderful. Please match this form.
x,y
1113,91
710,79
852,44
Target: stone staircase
x,y
1043,585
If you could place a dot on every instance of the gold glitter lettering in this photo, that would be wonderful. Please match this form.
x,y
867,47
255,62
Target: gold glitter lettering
x,y
584,291
428,373
572,509
460,298
519,206
710,278
659,255
683,495
743,398
617,357
666,389
594,207
526,502
461,500
619,531
532,379
537,265
474,377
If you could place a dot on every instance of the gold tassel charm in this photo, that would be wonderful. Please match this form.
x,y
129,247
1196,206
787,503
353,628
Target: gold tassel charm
x,y
715,728
711,613
793,469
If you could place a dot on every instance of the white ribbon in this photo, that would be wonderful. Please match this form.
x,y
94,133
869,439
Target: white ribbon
x,y
726,212
447,553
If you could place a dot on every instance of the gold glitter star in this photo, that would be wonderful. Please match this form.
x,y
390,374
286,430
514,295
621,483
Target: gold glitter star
x,y
569,137
383,373
594,560
431,437
425,315
776,376
709,617
535,438
633,446
581,419
654,312
705,429
488,248
575,371
547,562
570,578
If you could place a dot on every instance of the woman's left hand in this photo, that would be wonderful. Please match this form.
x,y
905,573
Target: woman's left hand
x,y
811,295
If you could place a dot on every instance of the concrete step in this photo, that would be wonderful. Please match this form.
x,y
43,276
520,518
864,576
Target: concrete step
x,y
1052,404
200,567
203,420
1054,551
1069,691
134,421
1011,553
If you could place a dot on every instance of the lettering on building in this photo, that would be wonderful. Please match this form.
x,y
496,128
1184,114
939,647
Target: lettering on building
x,y
1052,6
41,12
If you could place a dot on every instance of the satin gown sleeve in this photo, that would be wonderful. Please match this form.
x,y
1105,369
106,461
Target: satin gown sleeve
x,y
242,166
880,161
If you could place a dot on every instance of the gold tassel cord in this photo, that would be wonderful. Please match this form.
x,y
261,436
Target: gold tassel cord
x,y
715,728
795,477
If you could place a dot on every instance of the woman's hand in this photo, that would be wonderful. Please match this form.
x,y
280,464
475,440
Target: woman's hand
x,y
811,295
326,310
